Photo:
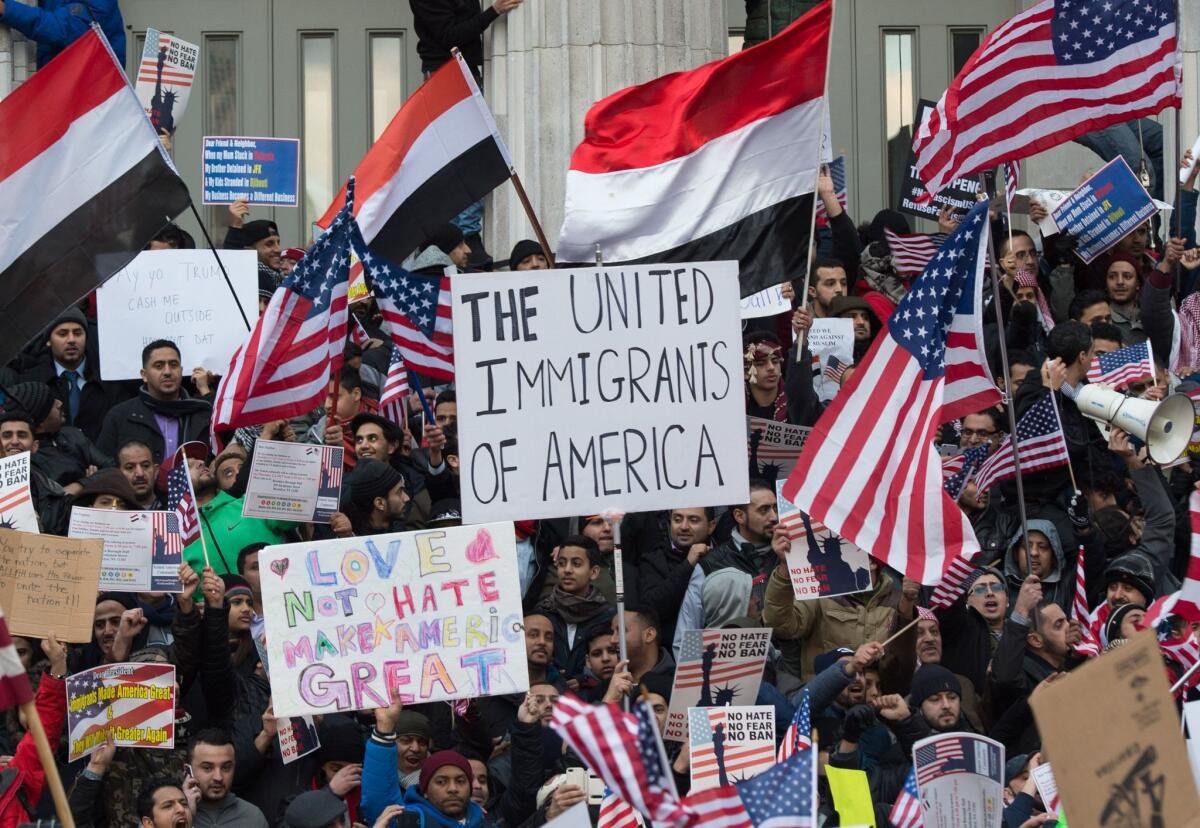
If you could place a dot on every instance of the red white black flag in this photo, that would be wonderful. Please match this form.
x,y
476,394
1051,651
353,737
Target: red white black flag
x,y
716,163
84,185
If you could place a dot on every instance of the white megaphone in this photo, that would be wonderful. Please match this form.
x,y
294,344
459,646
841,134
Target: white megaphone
x,y
1165,427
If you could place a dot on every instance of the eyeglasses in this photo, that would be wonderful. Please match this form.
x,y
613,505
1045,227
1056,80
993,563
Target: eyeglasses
x,y
978,432
984,589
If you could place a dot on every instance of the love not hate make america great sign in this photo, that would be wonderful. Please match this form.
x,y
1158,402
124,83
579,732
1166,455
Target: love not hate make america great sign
x,y
433,615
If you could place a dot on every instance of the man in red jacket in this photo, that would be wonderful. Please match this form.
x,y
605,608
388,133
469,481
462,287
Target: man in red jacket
x,y
23,778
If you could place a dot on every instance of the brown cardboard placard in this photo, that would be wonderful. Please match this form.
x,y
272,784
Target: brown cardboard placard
x,y
1119,758
49,583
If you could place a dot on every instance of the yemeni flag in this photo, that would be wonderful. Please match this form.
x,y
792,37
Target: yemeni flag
x,y
439,155
719,162
84,186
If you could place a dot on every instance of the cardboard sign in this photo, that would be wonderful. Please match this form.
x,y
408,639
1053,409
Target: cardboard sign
x,y
263,171
294,481
730,744
165,77
961,779
1104,209
821,563
297,737
49,583
961,193
16,497
716,668
179,295
1133,770
142,550
133,702
774,447
584,391
831,343
1191,715
767,302
434,615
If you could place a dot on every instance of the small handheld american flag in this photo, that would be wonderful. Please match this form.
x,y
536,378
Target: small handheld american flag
x,y
1119,368
1040,438
182,500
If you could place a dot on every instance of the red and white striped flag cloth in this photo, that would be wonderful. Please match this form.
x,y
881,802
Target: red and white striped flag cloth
x,y
182,500
906,811
283,368
953,582
1119,368
617,813
14,681
395,389
1012,181
1040,441
1089,644
1047,75
799,731
911,252
719,807
1187,604
869,470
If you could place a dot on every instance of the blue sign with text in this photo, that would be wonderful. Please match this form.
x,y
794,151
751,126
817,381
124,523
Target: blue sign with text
x,y
1106,208
264,171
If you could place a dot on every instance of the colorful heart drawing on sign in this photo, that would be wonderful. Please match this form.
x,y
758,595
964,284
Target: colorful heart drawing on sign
x,y
481,549
280,567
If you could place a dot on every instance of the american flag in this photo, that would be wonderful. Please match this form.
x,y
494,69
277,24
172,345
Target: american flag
x,y
934,760
799,732
416,312
14,681
912,252
1047,75
165,525
906,812
87,724
969,460
1184,651
395,389
784,796
283,368
740,761
689,671
837,171
1119,368
1089,644
182,500
869,470
1041,443
951,586
624,750
617,813
148,68
1012,181
835,369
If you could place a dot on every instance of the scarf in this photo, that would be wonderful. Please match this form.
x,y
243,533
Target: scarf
x,y
1188,322
574,609
1027,278
185,406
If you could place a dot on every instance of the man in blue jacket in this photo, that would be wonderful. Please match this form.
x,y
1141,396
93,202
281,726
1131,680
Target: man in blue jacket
x,y
59,23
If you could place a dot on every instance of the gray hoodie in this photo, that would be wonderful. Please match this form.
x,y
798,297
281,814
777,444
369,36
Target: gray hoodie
x,y
1059,585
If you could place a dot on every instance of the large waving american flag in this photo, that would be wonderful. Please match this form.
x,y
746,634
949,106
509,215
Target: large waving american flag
x,y
416,312
869,470
1050,74
283,368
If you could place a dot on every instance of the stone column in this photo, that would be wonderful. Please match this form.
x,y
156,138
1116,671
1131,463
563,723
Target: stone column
x,y
547,62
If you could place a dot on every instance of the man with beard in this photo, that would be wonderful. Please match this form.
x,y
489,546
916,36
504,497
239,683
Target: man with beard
x,y
499,712
65,455
51,502
863,316
211,756
666,548
972,626
224,531
378,498
136,462
829,282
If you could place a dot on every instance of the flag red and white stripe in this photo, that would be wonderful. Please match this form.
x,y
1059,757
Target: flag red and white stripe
x,y
1012,181
950,588
1119,368
1089,644
911,252
441,153
1019,95
14,681
719,807
617,813
716,162
869,470
84,185
1187,604
1040,442
421,329
358,334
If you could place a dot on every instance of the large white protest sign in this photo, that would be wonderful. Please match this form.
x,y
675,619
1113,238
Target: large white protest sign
x,y
716,668
16,498
142,550
178,295
432,615
596,389
960,776
294,481
730,744
767,302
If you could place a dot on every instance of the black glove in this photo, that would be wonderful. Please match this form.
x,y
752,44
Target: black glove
x,y
858,719
1024,314
1079,513
1064,245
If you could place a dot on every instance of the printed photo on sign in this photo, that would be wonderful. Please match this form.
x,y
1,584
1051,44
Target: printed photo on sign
x,y
262,171
961,779
434,615
142,550
821,563
297,737
1104,209
294,481
16,499
730,744
716,668
164,79
135,703
581,391
773,447
180,296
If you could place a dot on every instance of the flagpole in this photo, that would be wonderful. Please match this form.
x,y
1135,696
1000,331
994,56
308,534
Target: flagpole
x,y
196,503
1008,391
619,577
533,219
1070,468
213,249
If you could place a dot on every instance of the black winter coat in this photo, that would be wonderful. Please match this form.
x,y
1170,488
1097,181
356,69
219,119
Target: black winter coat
x,y
134,420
